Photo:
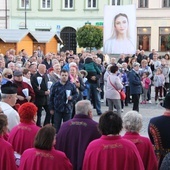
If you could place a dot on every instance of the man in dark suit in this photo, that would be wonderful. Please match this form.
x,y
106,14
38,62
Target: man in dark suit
x,y
135,85
41,94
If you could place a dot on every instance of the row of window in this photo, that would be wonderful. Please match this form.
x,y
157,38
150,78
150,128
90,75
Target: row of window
x,y
144,38
90,4
47,4
144,3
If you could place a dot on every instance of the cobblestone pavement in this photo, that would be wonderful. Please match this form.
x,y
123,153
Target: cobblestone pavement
x,y
147,110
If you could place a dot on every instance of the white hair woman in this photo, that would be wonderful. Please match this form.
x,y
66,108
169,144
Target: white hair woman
x,y
132,122
7,75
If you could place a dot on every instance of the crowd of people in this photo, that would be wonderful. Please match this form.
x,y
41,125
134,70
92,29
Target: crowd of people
x,y
64,85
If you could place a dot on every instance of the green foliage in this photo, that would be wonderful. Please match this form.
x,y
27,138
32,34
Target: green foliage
x,y
90,36
168,42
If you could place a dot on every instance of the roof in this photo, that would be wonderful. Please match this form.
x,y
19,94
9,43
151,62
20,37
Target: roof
x,y
9,35
45,36
14,36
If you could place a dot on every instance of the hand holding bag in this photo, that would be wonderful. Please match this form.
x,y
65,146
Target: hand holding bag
x,y
121,92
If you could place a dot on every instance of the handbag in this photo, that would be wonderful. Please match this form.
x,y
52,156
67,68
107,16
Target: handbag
x,y
121,92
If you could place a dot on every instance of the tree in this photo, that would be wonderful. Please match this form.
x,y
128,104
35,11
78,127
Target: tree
x,y
90,36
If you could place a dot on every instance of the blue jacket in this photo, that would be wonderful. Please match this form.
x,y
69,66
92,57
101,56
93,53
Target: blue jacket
x,y
58,97
134,83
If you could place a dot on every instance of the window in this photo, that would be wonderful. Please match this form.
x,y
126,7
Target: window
x,y
45,4
114,2
143,3
164,33
91,4
166,3
22,4
68,4
144,37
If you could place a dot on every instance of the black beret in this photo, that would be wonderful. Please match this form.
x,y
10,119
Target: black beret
x,y
9,88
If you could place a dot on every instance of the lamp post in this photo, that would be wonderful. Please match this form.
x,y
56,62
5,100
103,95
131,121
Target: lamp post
x,y
6,17
25,14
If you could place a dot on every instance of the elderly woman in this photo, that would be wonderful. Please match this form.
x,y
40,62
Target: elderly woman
x,y
7,75
113,86
132,122
43,156
7,161
111,151
77,80
22,136
55,75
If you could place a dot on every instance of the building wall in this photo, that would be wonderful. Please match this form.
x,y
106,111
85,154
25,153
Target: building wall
x,y
4,17
6,46
27,44
58,18
51,46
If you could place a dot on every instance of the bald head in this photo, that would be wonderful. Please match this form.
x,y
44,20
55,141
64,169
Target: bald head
x,y
42,68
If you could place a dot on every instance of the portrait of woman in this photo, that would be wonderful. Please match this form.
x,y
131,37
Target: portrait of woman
x,y
120,40
119,29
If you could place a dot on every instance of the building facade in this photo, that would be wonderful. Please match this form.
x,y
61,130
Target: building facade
x,y
4,14
65,16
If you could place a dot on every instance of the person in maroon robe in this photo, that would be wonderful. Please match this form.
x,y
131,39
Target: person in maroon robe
x,y
111,151
43,156
7,161
132,121
79,131
22,136
21,97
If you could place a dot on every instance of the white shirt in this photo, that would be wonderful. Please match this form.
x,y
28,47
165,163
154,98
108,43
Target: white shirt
x,y
26,80
12,115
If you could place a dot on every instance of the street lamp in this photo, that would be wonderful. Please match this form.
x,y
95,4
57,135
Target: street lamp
x,y
26,3
6,17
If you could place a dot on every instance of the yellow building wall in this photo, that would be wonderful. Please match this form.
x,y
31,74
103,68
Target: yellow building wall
x,y
6,46
27,44
51,46
42,46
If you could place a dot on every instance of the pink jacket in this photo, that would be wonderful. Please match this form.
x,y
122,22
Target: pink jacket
x,y
146,82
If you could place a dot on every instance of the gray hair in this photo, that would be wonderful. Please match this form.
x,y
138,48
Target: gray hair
x,y
4,96
136,64
54,61
83,107
132,121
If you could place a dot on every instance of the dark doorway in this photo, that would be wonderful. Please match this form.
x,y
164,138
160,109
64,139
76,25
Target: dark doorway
x,y
68,35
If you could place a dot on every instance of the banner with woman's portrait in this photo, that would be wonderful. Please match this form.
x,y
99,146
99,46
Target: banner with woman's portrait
x,y
119,29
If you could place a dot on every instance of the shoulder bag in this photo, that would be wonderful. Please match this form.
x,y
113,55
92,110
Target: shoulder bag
x,y
121,92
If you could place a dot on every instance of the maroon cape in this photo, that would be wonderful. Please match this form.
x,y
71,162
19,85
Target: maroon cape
x,y
36,159
74,137
145,149
7,161
112,153
22,136
22,85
